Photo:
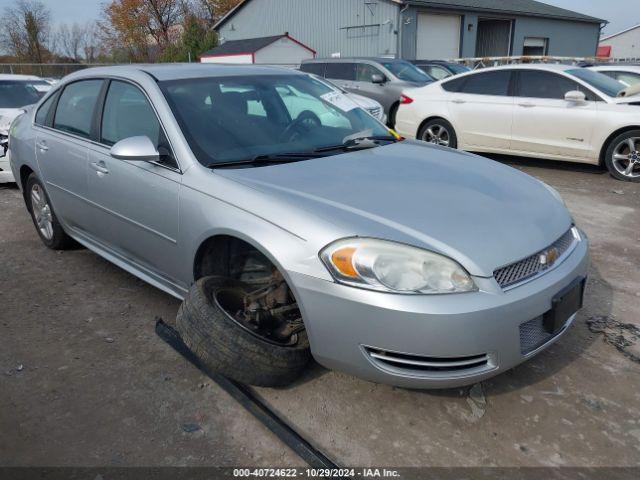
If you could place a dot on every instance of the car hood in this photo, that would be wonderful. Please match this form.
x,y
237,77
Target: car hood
x,y
479,212
364,102
7,116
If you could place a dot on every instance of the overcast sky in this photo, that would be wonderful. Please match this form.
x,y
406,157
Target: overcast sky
x,y
620,13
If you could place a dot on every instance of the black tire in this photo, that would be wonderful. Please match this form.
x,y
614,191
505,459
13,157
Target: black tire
x,y
391,118
58,240
441,123
226,347
611,150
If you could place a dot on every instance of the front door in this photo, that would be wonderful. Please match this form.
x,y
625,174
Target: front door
x,y
482,111
61,149
136,203
545,123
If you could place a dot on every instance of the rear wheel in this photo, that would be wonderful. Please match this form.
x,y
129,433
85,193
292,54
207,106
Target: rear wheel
x,y
439,132
622,157
213,324
393,111
44,218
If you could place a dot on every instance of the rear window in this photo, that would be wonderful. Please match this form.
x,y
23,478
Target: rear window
x,y
315,68
341,71
454,85
487,83
76,106
16,94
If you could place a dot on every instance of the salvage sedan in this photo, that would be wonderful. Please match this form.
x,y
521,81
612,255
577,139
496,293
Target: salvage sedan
x,y
291,235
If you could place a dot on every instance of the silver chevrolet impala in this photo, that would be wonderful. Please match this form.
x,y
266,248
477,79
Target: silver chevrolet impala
x,y
293,225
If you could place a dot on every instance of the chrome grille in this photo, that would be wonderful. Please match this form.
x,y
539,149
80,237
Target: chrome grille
x,y
531,266
418,363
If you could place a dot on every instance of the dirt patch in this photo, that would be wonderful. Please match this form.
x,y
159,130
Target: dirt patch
x,y
624,336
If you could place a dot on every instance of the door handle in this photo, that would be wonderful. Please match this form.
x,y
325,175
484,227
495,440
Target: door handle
x,y
527,105
458,101
100,168
42,146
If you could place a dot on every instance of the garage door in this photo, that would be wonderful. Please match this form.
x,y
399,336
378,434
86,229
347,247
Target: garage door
x,y
438,36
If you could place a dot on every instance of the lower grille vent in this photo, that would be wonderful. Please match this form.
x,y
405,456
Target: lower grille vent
x,y
419,363
534,335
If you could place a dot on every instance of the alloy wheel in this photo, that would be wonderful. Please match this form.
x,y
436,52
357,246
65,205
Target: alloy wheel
x,y
42,211
626,158
437,134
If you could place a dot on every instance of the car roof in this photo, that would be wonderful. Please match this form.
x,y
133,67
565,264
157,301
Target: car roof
x,y
177,71
352,59
619,67
549,67
12,76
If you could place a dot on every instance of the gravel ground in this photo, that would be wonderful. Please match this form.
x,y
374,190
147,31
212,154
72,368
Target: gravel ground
x,y
84,380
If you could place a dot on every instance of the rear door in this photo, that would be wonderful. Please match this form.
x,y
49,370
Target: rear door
x,y
364,85
62,136
481,108
342,74
136,203
545,123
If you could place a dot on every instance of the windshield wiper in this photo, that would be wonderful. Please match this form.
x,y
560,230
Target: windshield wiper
x,y
268,159
359,143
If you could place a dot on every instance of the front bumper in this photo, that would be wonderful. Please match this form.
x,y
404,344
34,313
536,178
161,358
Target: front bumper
x,y
6,175
467,337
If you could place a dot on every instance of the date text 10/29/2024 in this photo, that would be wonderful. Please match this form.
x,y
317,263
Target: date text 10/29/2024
x,y
315,473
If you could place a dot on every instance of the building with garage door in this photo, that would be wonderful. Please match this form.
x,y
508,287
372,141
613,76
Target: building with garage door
x,y
418,29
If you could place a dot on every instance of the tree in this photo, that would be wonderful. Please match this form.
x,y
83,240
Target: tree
x,y
210,11
196,39
25,32
140,26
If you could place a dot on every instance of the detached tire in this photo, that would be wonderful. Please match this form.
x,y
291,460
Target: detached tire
x,y
228,348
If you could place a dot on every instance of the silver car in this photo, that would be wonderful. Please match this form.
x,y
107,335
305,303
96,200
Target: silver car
x,y
290,236
381,79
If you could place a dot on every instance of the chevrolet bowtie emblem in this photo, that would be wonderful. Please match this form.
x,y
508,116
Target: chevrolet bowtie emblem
x,y
548,257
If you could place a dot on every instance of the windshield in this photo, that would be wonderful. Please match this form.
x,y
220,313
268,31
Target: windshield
x,y
20,93
457,68
233,119
606,85
407,71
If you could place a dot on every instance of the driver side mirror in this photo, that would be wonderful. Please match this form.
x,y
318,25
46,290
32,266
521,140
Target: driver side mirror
x,y
575,96
139,149
377,79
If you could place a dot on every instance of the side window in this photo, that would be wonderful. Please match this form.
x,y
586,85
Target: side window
x,y
127,113
315,68
76,106
628,78
436,72
488,83
539,84
341,71
365,72
454,85
43,111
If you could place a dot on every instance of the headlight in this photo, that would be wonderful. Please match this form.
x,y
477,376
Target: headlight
x,y
394,267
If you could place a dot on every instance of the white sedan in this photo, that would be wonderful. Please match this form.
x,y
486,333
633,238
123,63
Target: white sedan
x,y
557,112
626,74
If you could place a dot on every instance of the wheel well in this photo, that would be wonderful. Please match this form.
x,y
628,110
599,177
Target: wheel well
x,y
24,175
228,256
606,143
427,120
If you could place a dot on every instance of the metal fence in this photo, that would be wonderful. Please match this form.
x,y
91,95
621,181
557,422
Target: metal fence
x,y
483,62
46,70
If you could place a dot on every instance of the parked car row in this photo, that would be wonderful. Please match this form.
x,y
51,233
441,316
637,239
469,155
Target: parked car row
x,y
16,93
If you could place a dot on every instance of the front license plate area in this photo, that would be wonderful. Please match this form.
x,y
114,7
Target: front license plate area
x,y
563,305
